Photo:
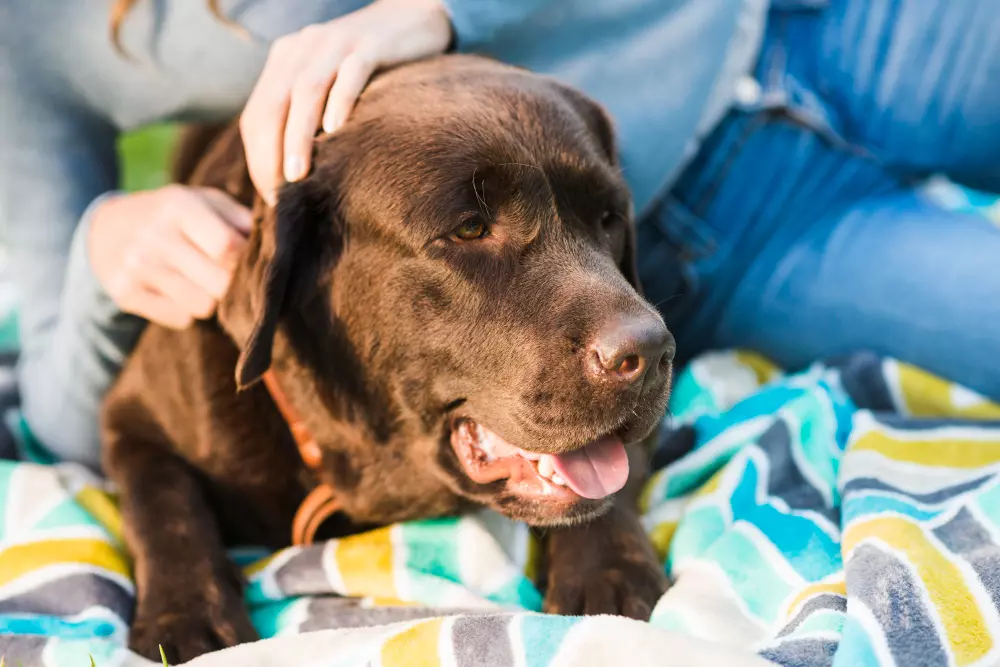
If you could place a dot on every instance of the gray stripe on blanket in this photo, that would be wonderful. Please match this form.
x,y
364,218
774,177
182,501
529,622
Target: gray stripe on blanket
x,y
482,641
824,602
932,498
303,573
330,612
673,444
71,595
812,652
887,588
862,378
785,480
22,649
967,538
907,423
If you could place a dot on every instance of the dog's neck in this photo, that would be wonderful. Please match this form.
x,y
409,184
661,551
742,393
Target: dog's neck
x,y
365,440
327,386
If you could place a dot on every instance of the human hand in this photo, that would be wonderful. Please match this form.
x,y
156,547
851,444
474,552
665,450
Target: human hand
x,y
168,255
319,72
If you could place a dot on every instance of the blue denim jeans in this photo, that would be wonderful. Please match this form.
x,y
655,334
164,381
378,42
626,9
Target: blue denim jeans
x,y
799,230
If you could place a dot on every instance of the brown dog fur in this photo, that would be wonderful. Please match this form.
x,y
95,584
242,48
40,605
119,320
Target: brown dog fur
x,y
381,329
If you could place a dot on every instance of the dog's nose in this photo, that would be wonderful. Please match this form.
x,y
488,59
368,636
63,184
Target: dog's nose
x,y
625,351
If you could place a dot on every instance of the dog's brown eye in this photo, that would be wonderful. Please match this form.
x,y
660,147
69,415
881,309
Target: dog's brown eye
x,y
607,218
471,230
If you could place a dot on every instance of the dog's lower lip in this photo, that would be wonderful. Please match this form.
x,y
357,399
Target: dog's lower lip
x,y
594,471
518,471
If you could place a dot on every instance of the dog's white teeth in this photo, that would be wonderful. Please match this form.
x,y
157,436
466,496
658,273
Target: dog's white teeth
x,y
557,479
545,468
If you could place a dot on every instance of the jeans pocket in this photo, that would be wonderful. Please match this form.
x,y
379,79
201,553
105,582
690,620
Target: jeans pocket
x,y
668,248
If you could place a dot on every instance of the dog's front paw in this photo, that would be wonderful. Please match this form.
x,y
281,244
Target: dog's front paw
x,y
191,624
606,567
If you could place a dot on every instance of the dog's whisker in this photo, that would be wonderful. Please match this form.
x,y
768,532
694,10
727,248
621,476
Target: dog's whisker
x,y
480,198
521,164
669,298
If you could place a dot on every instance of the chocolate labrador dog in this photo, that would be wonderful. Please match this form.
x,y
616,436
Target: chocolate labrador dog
x,y
450,303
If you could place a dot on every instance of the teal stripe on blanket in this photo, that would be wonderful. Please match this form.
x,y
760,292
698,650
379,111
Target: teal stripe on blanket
x,y
431,557
989,502
688,398
66,514
272,618
78,653
816,425
696,533
766,403
7,471
822,622
751,573
519,592
856,649
807,548
856,508
54,626
542,637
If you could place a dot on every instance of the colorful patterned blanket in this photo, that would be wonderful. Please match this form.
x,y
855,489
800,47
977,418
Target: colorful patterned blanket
x,y
848,515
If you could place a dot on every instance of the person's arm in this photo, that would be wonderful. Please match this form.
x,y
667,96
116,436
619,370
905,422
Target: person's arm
x,y
163,255
476,22
54,161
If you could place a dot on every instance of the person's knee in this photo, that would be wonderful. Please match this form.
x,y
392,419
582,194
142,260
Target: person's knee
x,y
61,425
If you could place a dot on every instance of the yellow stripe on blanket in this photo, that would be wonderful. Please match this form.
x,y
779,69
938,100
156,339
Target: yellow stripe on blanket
x,y
927,395
964,625
936,452
414,647
258,566
100,506
812,590
21,559
365,562
761,367
713,483
661,536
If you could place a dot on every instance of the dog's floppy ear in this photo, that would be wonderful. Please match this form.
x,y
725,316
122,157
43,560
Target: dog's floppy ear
x,y
286,249
629,266
597,119
599,123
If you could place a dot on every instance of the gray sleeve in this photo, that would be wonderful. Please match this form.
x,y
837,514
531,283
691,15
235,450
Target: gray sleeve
x,y
55,160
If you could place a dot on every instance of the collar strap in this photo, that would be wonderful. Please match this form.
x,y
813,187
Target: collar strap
x,y
321,503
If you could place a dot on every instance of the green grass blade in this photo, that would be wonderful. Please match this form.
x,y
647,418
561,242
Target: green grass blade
x,y
163,656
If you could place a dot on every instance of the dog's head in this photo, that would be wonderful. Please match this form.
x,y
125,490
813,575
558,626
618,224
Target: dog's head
x,y
460,266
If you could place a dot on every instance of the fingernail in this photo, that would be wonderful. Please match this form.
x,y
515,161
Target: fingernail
x,y
294,168
246,221
332,123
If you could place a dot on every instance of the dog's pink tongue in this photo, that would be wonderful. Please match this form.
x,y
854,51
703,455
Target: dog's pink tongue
x,y
594,471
